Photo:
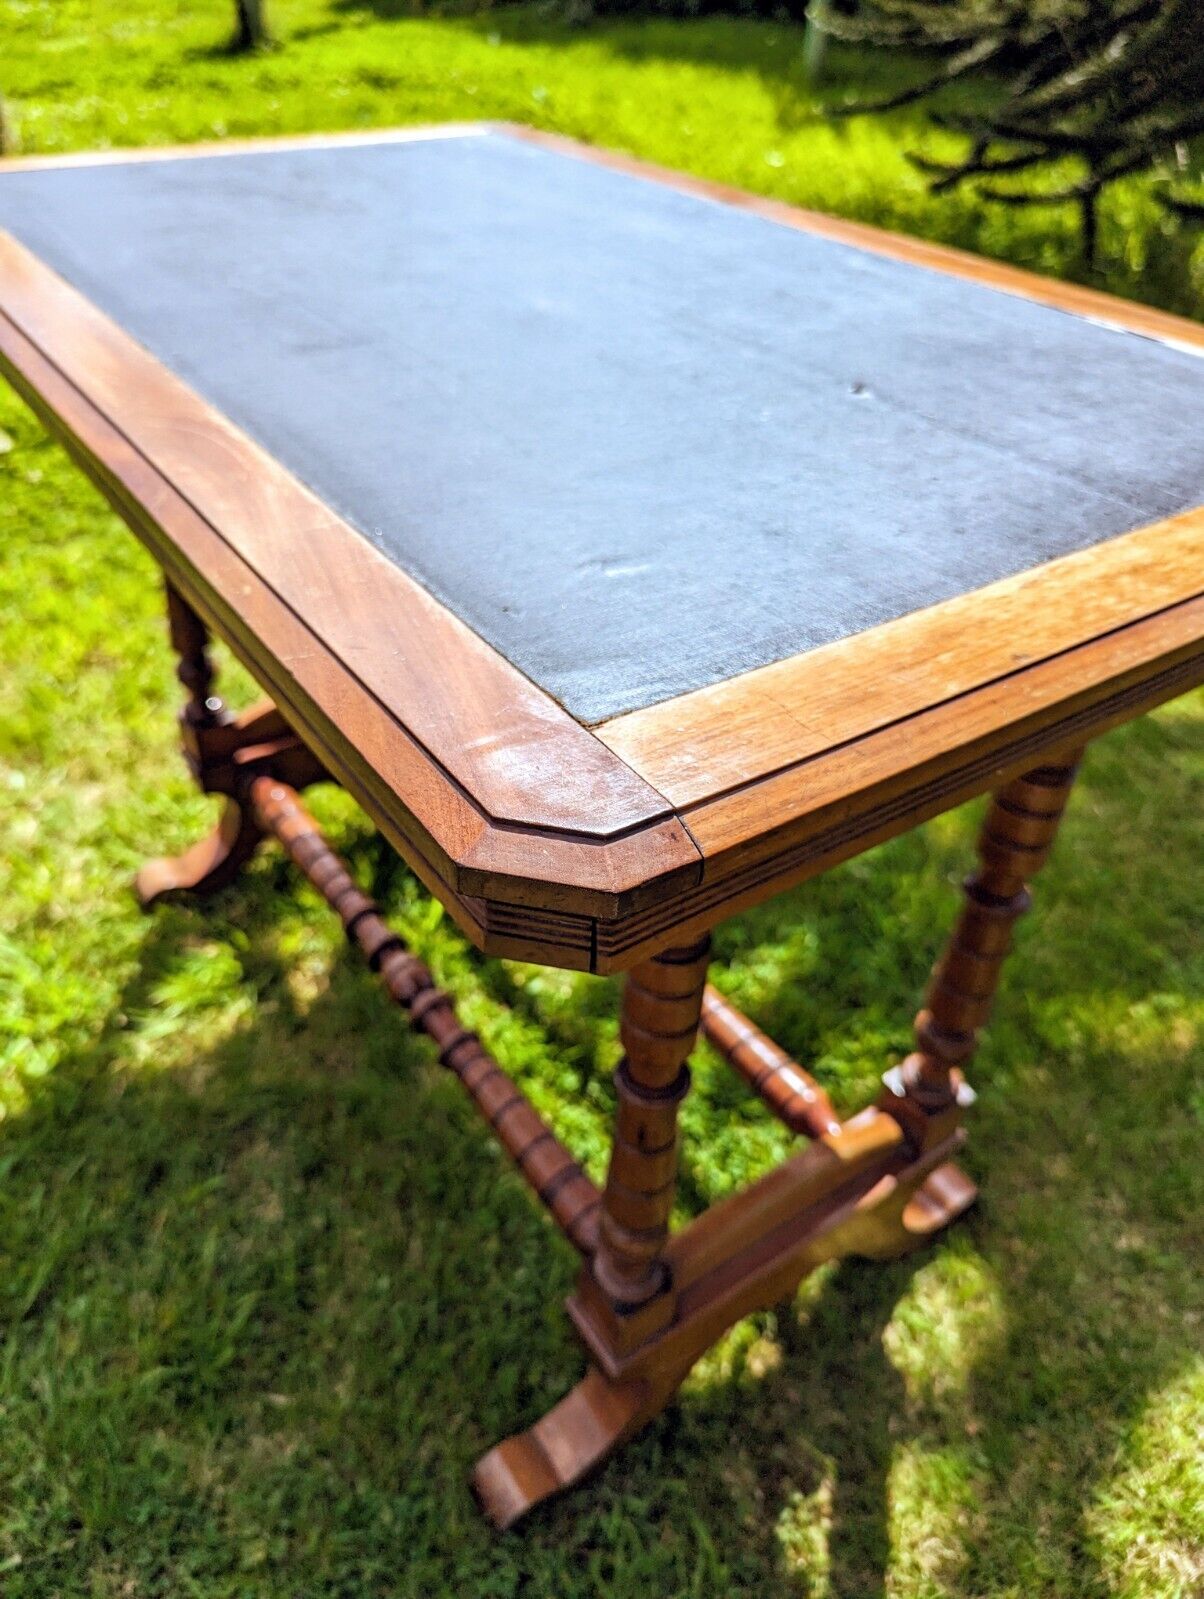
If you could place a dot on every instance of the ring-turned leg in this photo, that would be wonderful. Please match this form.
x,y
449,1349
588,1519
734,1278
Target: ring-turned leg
x,y
928,1092
627,1286
223,752
662,1003
195,670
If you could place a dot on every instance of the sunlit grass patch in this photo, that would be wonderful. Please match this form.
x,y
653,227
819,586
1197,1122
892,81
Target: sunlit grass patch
x,y
1147,1520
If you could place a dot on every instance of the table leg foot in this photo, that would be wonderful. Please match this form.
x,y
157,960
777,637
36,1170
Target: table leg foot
x,y
210,864
575,1437
911,1217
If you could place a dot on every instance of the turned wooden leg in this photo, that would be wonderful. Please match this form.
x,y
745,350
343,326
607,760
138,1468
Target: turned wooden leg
x,y
627,1286
190,640
1015,842
662,1003
223,752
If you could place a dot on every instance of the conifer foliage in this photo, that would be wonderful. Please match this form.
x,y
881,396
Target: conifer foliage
x,y
1080,93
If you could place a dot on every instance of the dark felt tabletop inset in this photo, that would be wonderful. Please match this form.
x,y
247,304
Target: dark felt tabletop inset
x,y
639,440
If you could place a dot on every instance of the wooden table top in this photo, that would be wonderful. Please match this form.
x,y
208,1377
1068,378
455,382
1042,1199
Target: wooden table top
x,y
630,548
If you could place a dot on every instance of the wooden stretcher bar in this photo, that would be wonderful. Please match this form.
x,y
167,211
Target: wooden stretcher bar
x,y
648,1303
791,1093
570,1197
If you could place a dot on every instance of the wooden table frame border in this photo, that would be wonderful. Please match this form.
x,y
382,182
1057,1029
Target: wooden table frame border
x,y
548,840
647,1305
639,870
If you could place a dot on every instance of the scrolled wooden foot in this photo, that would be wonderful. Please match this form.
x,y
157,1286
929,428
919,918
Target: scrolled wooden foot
x,y
900,1212
908,1217
210,864
574,1438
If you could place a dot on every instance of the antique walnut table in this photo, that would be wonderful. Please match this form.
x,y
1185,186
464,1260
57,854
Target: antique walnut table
x,y
631,550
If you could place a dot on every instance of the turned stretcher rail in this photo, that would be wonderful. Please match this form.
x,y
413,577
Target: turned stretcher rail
x,y
792,1094
544,1162
647,1303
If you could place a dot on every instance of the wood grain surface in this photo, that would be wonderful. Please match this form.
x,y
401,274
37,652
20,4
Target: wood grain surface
x,y
700,745
461,854
544,840
527,382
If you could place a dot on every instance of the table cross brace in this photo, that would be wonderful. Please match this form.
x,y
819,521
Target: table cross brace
x,y
648,1303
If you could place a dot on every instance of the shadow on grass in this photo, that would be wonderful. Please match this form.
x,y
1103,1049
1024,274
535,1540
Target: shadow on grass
x,y
264,1306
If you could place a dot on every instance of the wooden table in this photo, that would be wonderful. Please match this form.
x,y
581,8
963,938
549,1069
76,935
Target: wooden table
x,y
631,550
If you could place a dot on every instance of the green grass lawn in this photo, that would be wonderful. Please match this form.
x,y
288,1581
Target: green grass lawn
x,y
266,1287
